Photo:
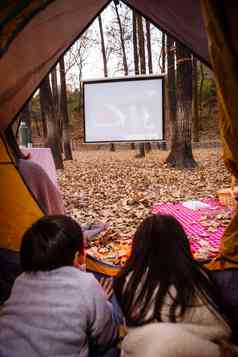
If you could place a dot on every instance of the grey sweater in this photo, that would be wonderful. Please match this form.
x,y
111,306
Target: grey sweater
x,y
55,314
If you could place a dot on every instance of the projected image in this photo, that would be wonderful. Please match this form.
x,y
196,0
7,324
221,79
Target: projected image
x,y
123,110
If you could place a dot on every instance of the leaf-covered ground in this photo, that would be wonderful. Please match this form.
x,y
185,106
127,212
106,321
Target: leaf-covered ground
x,y
118,189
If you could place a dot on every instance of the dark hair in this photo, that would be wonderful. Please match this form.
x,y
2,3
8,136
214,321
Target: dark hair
x,y
161,258
12,143
50,243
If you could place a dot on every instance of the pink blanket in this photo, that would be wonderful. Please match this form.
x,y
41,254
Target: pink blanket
x,y
204,227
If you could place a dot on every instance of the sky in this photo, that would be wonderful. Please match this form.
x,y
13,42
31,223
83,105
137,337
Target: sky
x,y
93,67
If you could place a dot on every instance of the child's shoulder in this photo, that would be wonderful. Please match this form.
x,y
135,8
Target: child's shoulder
x,y
78,275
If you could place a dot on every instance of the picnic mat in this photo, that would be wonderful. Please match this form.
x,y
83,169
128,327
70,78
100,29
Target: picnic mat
x,y
204,226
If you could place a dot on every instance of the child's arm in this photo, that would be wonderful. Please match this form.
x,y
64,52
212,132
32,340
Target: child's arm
x,y
102,330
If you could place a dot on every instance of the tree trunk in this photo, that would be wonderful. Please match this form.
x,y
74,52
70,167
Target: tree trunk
x,y
135,51
55,91
163,52
43,116
195,103
103,47
172,104
162,145
64,113
141,40
148,42
182,156
125,65
39,127
57,100
104,57
200,93
52,128
25,116
135,43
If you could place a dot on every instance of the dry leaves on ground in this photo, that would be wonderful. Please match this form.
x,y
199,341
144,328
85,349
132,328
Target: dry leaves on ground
x,y
118,189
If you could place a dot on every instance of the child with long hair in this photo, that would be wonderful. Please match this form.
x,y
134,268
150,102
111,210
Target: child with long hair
x,y
55,307
170,302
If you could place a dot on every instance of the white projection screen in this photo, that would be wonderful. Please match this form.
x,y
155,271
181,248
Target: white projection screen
x,y
124,110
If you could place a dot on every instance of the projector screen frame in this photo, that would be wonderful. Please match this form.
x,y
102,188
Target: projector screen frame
x,y
121,79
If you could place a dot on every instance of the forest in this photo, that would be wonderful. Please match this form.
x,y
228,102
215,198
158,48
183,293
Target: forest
x,y
117,183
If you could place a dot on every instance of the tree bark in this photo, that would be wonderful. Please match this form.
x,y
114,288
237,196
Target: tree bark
x,y
195,103
53,139
43,116
125,65
56,99
135,43
148,42
141,40
103,47
112,146
135,51
64,113
25,116
181,156
55,91
162,145
200,92
172,104
163,50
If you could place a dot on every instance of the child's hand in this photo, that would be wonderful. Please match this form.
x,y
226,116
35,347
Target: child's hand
x,y
106,284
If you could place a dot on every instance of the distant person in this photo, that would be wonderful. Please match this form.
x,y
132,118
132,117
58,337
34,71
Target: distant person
x,y
55,307
37,180
171,305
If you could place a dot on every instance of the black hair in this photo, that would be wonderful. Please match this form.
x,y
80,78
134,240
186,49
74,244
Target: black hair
x,y
13,145
50,243
161,258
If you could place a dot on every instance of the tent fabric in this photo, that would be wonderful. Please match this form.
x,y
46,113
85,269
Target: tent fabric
x,y
17,206
14,16
30,56
180,19
33,36
36,49
221,25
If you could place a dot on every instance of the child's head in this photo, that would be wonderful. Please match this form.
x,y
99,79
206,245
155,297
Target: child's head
x,y
161,244
160,259
50,243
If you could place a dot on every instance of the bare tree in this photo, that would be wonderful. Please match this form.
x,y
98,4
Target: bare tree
x,y
141,41
163,52
172,104
25,116
53,138
125,65
112,146
64,113
135,43
202,75
148,42
104,57
56,102
43,116
163,145
135,50
181,155
195,112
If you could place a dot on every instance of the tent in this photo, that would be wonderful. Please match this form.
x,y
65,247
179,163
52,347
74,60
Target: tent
x,y
35,33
